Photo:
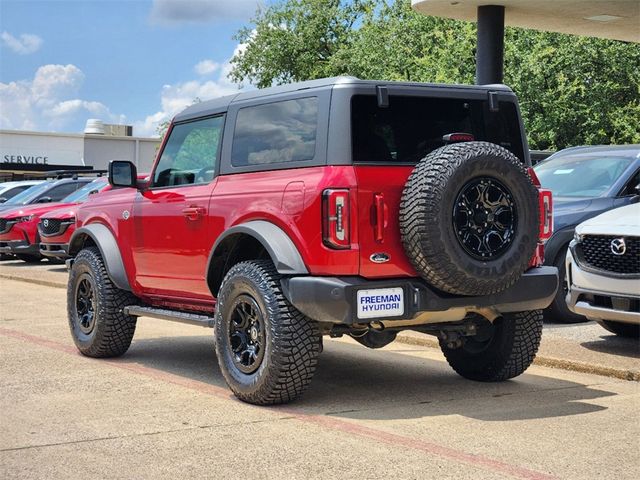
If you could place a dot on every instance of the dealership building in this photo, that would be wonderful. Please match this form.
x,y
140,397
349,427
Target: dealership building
x,y
26,155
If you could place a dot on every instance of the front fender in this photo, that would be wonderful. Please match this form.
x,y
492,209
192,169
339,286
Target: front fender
x,y
109,250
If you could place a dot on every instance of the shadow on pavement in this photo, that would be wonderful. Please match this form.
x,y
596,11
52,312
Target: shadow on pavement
x,y
614,345
354,382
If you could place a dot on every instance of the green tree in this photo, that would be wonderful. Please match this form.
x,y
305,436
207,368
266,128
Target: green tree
x,y
573,90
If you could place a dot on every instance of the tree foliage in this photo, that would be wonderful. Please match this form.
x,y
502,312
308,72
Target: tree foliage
x,y
573,90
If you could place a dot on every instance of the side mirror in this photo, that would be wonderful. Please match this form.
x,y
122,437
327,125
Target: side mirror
x,y
635,198
2,199
45,200
122,174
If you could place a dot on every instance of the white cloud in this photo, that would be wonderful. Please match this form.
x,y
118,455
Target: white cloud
x,y
48,101
175,12
206,67
175,98
26,44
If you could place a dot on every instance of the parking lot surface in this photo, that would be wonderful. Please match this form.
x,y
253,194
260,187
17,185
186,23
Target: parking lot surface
x,y
163,410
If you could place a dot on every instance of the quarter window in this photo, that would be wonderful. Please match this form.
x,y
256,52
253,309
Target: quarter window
x,y
275,133
190,155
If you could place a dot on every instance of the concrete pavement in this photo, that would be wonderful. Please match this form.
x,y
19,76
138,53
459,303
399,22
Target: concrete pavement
x,y
163,411
585,347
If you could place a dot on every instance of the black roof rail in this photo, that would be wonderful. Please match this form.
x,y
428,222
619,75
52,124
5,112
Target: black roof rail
x,y
59,174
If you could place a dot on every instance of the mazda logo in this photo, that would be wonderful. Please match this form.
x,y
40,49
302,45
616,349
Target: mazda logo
x,y
618,247
46,223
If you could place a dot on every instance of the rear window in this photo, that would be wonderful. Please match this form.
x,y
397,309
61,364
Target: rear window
x,y
412,127
275,133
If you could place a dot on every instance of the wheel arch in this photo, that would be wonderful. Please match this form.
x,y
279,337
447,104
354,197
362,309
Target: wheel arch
x,y
100,236
254,240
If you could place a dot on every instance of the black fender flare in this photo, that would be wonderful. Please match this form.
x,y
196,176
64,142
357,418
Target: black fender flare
x,y
275,242
556,243
281,249
109,250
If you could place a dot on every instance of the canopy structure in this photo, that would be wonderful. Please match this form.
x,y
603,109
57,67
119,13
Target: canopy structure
x,y
612,19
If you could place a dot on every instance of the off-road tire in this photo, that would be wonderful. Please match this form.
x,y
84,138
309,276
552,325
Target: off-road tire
x,y
29,258
627,330
427,218
558,311
292,341
113,330
508,353
373,339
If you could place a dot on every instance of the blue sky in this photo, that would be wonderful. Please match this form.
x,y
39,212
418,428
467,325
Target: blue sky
x,y
124,61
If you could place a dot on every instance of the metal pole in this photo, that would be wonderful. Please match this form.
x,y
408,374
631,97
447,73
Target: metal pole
x,y
490,49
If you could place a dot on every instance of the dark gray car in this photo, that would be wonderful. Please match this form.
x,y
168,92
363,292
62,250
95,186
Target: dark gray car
x,y
585,181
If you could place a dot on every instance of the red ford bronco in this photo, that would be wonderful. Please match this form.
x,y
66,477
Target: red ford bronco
x,y
329,207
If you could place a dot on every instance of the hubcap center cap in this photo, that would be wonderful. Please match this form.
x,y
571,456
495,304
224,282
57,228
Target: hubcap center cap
x,y
254,334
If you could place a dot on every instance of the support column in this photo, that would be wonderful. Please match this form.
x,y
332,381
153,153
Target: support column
x,y
490,48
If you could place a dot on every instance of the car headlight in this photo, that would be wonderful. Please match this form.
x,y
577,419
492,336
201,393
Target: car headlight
x,y
26,218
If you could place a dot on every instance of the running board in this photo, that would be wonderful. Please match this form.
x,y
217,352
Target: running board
x,y
171,315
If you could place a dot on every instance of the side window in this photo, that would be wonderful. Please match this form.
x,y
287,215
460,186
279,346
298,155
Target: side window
x,y
275,133
58,193
189,157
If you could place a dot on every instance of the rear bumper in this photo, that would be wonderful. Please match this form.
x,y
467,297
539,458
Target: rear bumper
x,y
334,299
19,247
55,250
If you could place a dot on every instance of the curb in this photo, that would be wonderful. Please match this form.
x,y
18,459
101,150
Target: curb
x,y
544,361
428,342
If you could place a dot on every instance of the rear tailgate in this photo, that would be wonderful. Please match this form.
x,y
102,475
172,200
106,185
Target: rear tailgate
x,y
378,200
388,140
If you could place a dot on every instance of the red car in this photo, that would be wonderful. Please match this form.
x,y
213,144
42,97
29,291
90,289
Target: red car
x,y
19,232
56,228
330,207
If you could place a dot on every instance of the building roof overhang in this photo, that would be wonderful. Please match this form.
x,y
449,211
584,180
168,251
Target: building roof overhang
x,y
613,19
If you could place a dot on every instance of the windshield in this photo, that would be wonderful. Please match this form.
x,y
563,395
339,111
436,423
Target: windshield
x,y
29,194
581,175
82,194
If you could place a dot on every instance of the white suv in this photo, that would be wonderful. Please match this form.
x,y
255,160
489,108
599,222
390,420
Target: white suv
x,y
603,270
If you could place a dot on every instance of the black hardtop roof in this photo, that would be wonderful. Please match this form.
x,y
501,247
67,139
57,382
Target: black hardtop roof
x,y
216,105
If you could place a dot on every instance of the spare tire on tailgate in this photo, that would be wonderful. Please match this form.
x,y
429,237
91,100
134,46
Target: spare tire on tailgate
x,y
469,218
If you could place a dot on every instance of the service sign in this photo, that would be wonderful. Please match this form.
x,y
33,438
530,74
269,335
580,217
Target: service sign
x,y
22,148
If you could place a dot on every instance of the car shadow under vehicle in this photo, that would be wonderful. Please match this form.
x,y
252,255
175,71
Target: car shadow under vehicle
x,y
354,382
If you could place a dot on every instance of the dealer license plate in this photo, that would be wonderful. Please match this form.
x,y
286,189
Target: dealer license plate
x,y
380,302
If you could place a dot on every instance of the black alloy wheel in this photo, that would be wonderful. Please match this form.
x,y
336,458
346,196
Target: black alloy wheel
x,y
246,334
485,218
85,304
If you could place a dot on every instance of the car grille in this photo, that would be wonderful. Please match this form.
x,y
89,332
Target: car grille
x,y
597,253
52,227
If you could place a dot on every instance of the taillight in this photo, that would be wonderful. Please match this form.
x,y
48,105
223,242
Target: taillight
x,y
545,200
546,214
545,206
335,218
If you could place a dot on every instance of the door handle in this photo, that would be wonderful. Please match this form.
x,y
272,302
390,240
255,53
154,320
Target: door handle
x,y
193,212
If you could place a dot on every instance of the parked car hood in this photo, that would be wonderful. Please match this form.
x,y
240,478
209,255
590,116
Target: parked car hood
x,y
37,209
62,213
569,211
620,221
